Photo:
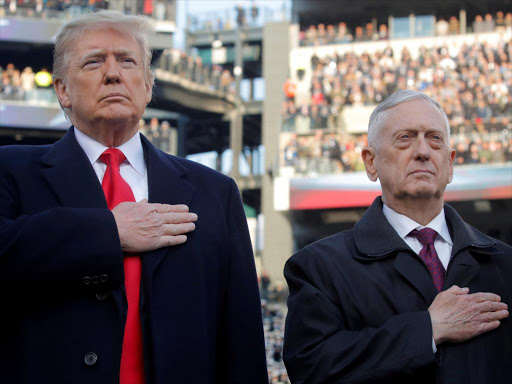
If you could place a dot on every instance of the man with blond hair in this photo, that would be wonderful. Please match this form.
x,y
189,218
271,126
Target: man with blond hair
x,y
412,294
121,263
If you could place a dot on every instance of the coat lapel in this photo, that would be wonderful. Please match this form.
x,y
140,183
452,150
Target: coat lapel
x,y
376,239
416,273
461,270
463,266
71,176
167,185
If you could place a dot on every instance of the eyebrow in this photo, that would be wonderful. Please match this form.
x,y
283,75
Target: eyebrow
x,y
103,53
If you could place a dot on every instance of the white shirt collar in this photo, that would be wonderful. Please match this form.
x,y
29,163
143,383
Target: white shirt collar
x,y
132,149
403,225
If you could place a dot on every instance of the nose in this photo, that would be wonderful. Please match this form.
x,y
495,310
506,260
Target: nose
x,y
421,148
112,73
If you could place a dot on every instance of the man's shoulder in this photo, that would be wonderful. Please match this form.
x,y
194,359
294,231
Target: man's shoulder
x,y
337,248
196,169
465,235
205,179
21,155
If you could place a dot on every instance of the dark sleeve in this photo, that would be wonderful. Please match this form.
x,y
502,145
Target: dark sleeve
x,y
55,247
318,347
243,357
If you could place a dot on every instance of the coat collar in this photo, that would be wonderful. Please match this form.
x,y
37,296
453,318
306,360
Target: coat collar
x,y
376,238
69,173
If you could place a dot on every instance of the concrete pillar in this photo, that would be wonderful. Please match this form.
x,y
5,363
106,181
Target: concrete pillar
x,y
183,121
235,141
173,141
463,21
278,243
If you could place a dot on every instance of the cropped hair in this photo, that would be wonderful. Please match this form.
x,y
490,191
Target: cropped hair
x,y
378,115
137,26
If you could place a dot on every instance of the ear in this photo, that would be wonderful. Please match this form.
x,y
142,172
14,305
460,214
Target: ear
x,y
368,154
149,92
62,93
452,158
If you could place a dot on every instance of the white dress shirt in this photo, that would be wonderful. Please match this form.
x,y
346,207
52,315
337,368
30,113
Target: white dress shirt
x,y
133,170
443,244
404,225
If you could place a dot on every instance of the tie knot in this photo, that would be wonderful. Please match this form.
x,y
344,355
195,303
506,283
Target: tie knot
x,y
426,236
113,156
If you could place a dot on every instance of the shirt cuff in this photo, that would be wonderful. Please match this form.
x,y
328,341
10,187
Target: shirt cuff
x,y
434,348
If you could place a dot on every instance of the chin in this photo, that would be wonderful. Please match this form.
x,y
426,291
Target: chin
x,y
420,194
118,115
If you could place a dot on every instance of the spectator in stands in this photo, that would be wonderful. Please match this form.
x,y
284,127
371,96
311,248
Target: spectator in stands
x,y
321,34
27,80
383,32
508,22
331,34
289,89
254,12
240,15
488,23
500,22
226,80
369,32
342,35
453,26
478,24
359,34
310,35
165,137
442,27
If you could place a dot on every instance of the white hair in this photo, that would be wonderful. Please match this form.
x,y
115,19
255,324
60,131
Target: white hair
x,y
139,27
378,115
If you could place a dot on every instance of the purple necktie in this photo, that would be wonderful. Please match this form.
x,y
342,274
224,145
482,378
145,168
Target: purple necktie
x,y
428,254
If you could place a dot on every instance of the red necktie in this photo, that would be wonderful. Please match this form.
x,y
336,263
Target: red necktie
x,y
116,191
428,254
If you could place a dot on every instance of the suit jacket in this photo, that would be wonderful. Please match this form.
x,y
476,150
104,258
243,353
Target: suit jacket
x,y
62,279
357,310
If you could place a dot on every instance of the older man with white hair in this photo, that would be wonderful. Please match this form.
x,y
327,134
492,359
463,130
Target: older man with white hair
x,y
121,263
412,294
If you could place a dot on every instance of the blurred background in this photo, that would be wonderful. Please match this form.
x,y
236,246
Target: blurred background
x,y
278,93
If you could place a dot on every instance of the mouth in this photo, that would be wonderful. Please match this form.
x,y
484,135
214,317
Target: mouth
x,y
421,172
113,96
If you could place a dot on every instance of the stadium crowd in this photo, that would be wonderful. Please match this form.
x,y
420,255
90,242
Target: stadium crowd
x,y
473,83
158,9
273,297
191,68
26,85
321,34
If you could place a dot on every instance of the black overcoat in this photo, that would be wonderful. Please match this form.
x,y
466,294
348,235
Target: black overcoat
x,y
62,282
357,310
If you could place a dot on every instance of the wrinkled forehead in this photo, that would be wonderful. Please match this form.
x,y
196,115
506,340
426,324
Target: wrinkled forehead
x,y
416,115
104,36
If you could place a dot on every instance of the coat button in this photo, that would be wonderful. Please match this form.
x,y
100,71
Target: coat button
x,y
91,358
86,280
104,278
95,279
102,295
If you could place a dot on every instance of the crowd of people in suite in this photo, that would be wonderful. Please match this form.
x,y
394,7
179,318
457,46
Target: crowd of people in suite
x,y
342,33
